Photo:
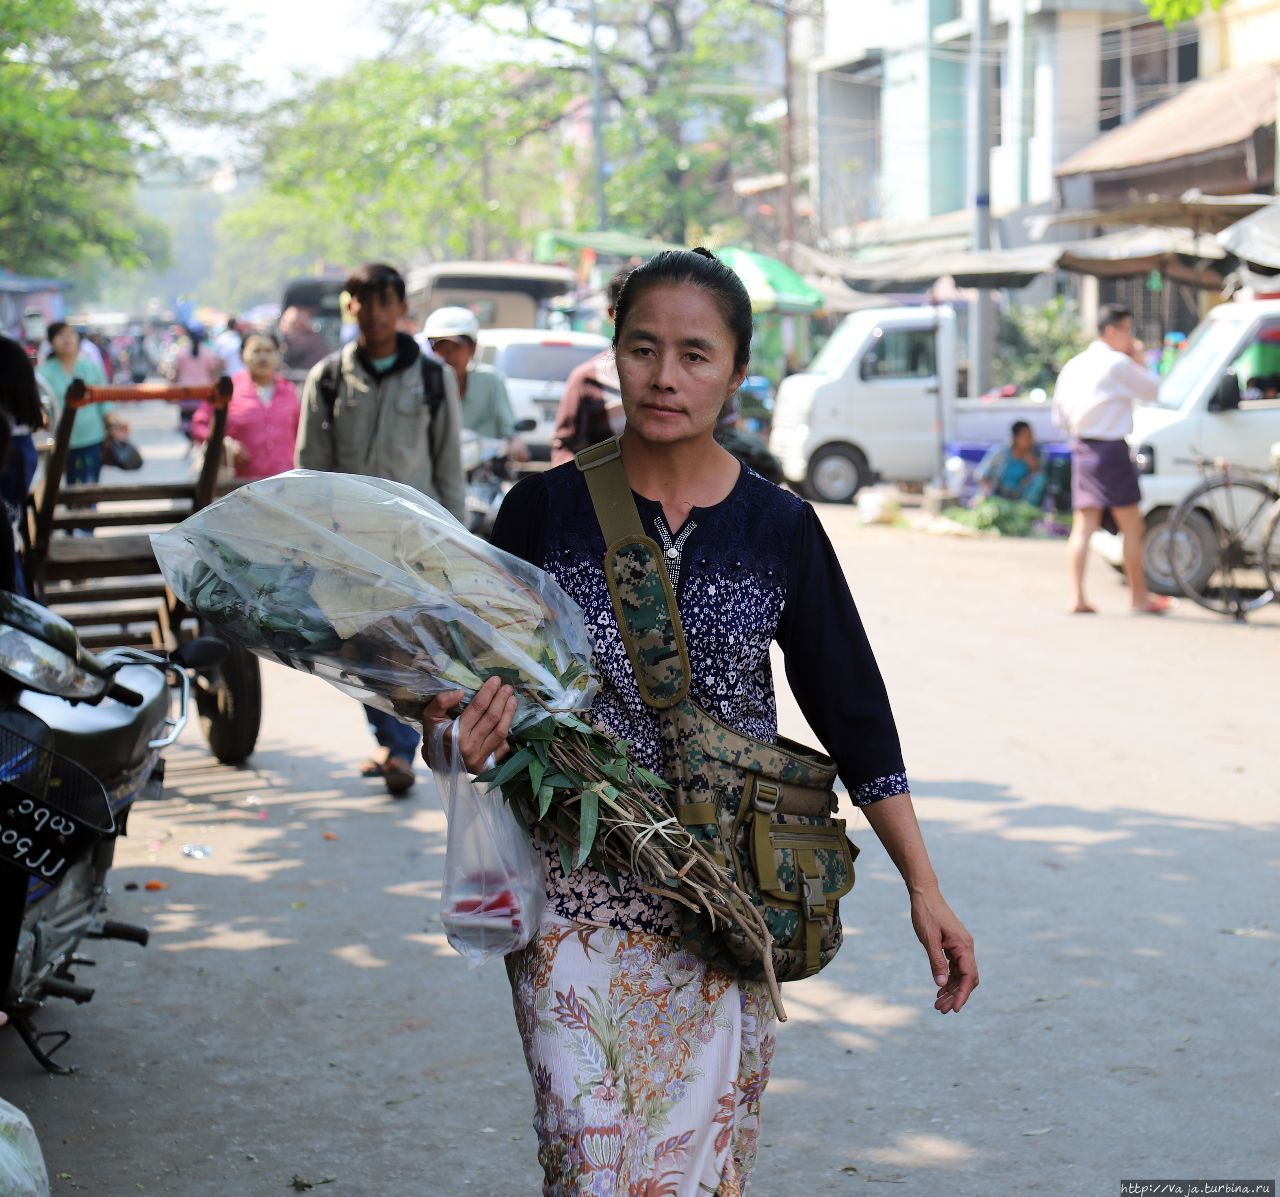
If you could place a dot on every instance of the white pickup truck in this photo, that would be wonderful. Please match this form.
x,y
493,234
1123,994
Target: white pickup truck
x,y
879,402
1221,401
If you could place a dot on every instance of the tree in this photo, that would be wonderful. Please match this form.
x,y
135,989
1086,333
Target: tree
x,y
86,87
400,159
1033,344
1173,11
681,80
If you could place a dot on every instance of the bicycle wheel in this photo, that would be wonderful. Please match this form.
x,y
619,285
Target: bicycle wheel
x,y
1241,577
1269,554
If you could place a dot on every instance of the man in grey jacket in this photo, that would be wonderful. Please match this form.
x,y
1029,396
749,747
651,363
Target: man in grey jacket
x,y
378,408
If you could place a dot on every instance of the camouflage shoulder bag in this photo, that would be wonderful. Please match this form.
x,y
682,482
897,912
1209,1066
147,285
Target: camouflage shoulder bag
x,y
764,810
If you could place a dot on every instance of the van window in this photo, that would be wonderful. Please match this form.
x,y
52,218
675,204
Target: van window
x,y
1258,367
901,353
1200,356
551,362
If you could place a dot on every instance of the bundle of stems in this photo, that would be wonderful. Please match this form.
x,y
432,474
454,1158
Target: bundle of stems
x,y
578,787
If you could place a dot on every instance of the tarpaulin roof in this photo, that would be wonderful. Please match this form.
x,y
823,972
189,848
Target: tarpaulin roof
x,y
21,284
1177,253
551,244
1191,210
1210,115
772,285
1256,238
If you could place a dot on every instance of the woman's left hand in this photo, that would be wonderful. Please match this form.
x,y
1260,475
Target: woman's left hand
x,y
949,946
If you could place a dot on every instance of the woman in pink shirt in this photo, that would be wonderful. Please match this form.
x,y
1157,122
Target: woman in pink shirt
x,y
262,418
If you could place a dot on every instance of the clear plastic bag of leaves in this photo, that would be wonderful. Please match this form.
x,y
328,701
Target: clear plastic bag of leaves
x,y
380,591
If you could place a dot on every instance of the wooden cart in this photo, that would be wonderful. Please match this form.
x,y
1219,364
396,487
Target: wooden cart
x,y
87,556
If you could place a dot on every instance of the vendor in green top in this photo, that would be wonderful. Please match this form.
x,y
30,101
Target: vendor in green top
x,y
84,461
486,408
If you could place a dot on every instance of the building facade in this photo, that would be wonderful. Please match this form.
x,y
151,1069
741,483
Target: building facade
x,y
890,95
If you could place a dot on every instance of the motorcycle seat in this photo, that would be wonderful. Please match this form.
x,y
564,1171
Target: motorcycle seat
x,y
111,738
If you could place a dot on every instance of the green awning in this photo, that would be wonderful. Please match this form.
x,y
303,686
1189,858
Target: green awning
x,y
772,285
552,244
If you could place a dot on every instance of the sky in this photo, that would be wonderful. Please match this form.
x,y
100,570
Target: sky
x,y
320,36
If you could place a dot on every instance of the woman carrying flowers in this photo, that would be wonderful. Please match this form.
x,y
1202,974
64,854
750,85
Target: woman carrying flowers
x,y
649,1063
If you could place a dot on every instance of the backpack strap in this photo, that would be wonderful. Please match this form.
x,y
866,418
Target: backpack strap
x,y
643,602
330,381
432,383
327,386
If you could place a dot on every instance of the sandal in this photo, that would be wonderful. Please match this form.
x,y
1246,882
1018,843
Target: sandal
x,y
371,768
397,774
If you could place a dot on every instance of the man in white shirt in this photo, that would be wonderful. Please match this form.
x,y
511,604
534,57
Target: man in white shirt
x,y
1093,402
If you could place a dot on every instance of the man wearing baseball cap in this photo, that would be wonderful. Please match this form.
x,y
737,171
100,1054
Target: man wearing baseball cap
x,y
451,333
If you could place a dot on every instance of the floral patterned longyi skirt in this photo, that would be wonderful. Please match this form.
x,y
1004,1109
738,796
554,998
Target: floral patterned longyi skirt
x,y
648,1065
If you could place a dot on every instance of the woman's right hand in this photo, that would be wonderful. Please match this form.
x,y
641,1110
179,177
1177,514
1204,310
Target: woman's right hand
x,y
483,726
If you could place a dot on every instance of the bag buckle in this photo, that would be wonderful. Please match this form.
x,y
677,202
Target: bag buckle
x,y
766,797
598,455
811,893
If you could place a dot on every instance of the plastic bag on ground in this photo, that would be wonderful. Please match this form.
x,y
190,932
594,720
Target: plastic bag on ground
x,y
493,883
22,1170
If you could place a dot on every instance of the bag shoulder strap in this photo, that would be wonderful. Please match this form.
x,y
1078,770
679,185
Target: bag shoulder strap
x,y
328,383
432,383
643,600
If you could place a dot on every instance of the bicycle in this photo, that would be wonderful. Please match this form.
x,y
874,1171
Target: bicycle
x,y
1224,538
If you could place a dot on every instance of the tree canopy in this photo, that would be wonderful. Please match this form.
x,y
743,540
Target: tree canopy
x,y
1173,11
682,87
86,87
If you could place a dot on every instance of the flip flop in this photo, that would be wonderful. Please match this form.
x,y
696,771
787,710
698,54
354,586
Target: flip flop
x,y
1157,604
1085,610
371,768
397,774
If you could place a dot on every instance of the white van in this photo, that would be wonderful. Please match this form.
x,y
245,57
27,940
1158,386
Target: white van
x,y
879,401
536,365
1218,402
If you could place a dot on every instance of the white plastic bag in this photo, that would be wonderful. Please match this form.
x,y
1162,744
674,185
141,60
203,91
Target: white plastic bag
x,y
493,883
22,1170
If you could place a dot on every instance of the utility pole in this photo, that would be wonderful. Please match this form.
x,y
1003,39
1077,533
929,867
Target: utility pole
x,y
981,324
788,142
597,118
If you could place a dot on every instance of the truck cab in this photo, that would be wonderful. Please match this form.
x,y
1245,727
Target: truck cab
x,y
872,404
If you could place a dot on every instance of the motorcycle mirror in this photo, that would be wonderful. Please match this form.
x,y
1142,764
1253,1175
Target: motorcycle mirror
x,y
204,652
43,652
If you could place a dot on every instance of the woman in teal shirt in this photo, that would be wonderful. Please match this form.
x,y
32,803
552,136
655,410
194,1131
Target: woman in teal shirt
x,y
84,461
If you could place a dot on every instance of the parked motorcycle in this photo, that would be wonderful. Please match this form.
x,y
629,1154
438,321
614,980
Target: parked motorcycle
x,y
81,738
490,474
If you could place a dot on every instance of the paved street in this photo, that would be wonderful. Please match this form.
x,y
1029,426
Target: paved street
x,y
1100,798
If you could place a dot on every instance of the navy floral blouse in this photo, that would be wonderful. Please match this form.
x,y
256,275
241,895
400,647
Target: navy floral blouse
x,y
755,568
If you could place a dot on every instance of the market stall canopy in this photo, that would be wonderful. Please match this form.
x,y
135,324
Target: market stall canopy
x,y
772,285
839,300
1191,210
1255,240
1176,253
22,284
1210,116
552,244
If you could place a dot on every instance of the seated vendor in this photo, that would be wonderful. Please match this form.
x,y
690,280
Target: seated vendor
x,y
1015,470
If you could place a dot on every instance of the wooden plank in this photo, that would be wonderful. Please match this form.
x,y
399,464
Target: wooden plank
x,y
97,641
122,592
162,518
115,615
127,493
67,550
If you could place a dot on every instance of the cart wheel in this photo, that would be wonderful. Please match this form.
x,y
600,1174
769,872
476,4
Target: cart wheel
x,y
231,708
